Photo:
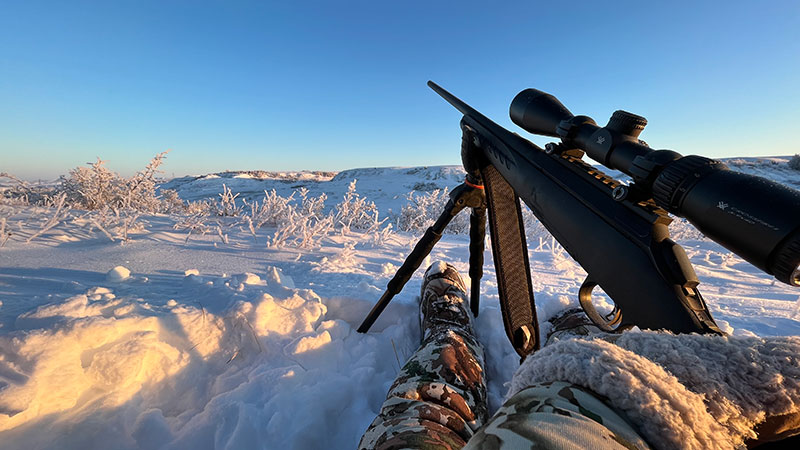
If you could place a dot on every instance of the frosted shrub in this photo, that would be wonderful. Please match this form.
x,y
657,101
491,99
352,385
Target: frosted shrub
x,y
4,234
172,202
300,220
93,187
355,212
202,207
301,230
794,163
379,236
116,203
193,224
21,193
58,203
270,212
682,230
140,190
422,210
96,187
226,205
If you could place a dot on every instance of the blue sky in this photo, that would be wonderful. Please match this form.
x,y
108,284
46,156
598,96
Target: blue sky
x,y
335,85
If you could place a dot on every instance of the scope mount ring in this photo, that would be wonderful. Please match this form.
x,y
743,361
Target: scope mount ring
x,y
608,323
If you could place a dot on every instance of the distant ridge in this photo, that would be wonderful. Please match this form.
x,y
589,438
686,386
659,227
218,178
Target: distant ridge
x,y
388,186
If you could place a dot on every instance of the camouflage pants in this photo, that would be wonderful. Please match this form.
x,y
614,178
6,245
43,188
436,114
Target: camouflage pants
x,y
439,402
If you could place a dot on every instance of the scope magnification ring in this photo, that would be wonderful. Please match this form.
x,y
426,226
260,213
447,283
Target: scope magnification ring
x,y
672,184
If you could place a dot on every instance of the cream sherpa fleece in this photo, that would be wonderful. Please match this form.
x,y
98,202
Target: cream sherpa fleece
x,y
681,391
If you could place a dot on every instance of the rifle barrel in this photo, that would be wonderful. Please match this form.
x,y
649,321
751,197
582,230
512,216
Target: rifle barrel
x,y
456,102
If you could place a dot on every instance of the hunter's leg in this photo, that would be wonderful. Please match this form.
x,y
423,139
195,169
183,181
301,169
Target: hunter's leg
x,y
439,398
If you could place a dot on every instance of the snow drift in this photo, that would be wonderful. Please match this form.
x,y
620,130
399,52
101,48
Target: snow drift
x,y
172,339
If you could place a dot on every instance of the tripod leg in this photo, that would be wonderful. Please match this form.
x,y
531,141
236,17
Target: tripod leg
x,y
412,262
477,234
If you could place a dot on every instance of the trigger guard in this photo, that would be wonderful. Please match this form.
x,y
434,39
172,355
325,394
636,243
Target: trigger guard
x,y
610,322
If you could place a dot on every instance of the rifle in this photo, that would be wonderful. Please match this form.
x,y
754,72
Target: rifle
x,y
618,233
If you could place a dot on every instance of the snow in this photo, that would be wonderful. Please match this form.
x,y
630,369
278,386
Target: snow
x,y
118,274
165,342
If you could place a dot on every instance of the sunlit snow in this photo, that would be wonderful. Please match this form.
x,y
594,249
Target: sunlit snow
x,y
226,342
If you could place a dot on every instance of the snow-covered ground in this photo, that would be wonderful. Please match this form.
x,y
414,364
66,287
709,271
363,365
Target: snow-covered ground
x,y
202,343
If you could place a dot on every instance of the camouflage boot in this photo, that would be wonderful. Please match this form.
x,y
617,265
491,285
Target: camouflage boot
x,y
443,301
571,323
439,398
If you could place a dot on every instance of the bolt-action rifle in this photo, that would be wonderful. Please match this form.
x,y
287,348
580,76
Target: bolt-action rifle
x,y
618,233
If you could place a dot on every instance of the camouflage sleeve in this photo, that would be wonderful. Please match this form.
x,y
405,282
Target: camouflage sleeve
x,y
556,416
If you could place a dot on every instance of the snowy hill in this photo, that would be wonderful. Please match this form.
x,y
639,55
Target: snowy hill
x,y
386,186
220,339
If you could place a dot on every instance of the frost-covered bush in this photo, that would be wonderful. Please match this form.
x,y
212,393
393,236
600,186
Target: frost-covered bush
x,y
681,230
194,223
535,233
21,193
301,225
794,163
272,209
302,220
172,202
312,206
96,187
59,204
116,203
140,190
198,207
4,234
344,259
422,210
354,211
299,230
226,205
93,187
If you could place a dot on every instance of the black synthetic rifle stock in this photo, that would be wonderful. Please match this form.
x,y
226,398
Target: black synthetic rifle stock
x,y
622,243
618,233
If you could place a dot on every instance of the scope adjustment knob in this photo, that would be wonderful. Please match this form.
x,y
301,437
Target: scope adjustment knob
x,y
626,123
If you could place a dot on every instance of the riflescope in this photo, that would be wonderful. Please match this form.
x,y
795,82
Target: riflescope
x,y
755,218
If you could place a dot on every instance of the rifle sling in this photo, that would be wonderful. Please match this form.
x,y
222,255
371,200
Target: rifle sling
x,y
510,252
